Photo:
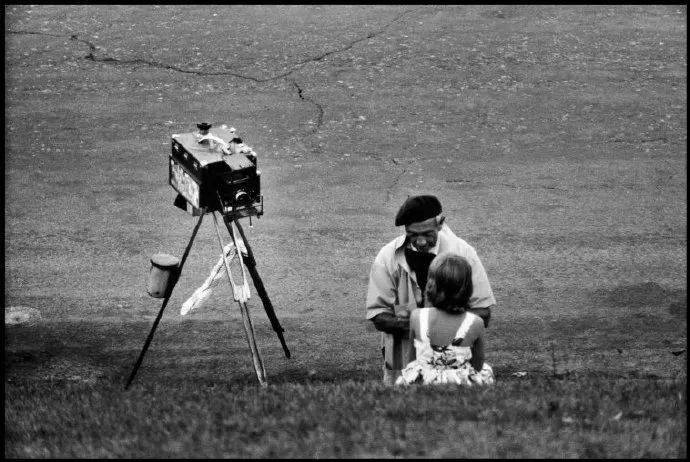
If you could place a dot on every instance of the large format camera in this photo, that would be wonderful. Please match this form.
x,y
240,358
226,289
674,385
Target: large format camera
x,y
213,170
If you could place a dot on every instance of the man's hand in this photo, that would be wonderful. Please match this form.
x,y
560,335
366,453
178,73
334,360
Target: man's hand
x,y
391,324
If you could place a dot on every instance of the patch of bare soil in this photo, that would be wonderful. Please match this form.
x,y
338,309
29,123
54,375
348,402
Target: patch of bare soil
x,y
16,315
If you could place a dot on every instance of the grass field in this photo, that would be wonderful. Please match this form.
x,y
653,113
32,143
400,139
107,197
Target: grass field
x,y
555,138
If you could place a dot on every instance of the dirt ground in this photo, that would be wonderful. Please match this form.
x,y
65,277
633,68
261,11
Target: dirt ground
x,y
555,138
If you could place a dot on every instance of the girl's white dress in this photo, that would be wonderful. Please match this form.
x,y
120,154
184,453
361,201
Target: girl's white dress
x,y
444,364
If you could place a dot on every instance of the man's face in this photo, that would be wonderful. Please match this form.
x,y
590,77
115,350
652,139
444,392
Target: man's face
x,y
424,234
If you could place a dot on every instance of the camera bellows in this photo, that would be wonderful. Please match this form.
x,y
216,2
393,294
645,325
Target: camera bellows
x,y
213,170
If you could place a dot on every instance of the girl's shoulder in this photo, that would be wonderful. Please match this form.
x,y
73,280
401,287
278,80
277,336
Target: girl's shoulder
x,y
473,318
468,326
414,314
464,317
476,324
414,319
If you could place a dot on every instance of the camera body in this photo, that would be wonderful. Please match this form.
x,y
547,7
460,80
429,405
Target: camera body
x,y
214,171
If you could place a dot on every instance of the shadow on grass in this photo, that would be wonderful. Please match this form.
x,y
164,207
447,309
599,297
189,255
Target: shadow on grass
x,y
215,351
200,350
196,395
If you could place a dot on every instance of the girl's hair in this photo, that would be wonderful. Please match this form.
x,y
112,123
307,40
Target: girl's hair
x,y
449,284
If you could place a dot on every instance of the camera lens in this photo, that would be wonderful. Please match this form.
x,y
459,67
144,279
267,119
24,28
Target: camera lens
x,y
241,197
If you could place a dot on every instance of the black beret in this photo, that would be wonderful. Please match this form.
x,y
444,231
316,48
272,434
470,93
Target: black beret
x,y
416,209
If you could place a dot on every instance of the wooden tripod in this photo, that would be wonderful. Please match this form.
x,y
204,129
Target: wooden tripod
x,y
241,294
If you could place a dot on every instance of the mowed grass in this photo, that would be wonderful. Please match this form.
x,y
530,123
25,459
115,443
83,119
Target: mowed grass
x,y
584,417
555,137
196,395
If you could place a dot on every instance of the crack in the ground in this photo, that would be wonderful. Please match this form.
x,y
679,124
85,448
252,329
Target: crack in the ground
x,y
395,181
319,108
644,140
370,35
508,185
93,50
29,32
109,59
663,139
160,65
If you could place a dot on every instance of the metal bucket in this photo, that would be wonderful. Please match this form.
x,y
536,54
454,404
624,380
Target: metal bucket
x,y
162,274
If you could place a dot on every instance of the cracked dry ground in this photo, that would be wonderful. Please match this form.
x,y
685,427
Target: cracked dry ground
x,y
555,137
220,63
96,54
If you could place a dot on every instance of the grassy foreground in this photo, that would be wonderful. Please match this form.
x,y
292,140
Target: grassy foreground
x,y
591,416
196,394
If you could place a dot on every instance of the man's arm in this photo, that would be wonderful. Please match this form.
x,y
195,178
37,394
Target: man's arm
x,y
381,299
391,324
381,294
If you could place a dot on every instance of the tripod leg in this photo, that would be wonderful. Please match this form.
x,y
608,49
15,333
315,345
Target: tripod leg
x,y
246,320
165,302
256,357
260,289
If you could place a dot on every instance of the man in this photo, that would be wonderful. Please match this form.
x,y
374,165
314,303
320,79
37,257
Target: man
x,y
398,278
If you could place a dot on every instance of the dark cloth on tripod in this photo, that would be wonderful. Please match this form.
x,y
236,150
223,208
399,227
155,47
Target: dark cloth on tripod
x,y
419,263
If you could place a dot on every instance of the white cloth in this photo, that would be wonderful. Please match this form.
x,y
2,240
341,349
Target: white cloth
x,y
202,294
443,364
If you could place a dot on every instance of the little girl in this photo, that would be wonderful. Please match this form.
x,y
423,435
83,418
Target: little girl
x,y
448,340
